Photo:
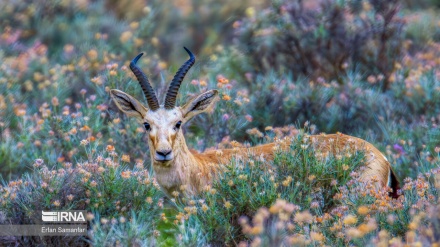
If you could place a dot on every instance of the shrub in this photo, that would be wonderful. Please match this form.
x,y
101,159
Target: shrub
x,y
121,202
365,216
337,37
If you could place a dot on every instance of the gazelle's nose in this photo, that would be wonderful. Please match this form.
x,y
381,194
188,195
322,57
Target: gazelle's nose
x,y
164,155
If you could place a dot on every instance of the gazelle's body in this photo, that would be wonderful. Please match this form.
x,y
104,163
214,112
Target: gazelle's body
x,y
179,169
195,170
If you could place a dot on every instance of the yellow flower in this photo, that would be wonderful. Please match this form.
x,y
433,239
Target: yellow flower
x,y
126,36
316,236
227,205
155,41
92,54
125,158
149,200
134,25
350,220
56,203
226,97
363,210
113,73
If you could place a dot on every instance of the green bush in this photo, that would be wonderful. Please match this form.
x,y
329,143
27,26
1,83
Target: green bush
x,y
124,204
329,41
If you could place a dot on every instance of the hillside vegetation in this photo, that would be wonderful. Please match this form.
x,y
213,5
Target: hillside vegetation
x,y
284,69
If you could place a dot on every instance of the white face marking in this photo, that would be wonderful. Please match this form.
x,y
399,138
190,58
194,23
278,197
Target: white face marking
x,y
163,133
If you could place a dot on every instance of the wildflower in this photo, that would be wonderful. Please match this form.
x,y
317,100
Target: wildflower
x,y
149,200
254,132
122,219
90,216
85,128
236,24
248,118
303,217
110,148
97,80
354,233
38,163
371,79
70,197
55,101
314,204
250,12
410,236
92,54
56,203
155,41
134,25
350,220
93,183
227,205
162,65
84,142
363,210
125,158
226,97
315,236
104,221
125,174
204,207
399,149
175,193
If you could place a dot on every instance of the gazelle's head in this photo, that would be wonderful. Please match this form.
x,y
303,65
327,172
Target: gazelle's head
x,y
163,122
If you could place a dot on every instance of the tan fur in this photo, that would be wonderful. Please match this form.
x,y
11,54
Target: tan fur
x,y
188,171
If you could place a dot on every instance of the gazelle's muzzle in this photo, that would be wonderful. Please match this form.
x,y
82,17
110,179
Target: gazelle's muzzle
x,y
163,155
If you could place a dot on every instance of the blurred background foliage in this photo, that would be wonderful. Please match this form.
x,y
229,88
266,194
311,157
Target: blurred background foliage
x,y
364,68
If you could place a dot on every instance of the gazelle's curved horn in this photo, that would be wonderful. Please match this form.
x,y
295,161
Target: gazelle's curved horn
x,y
170,99
153,104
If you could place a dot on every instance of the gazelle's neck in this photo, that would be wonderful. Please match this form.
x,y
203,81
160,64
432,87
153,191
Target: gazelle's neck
x,y
180,171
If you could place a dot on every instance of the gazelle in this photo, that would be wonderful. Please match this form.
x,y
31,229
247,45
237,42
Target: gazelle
x,y
178,167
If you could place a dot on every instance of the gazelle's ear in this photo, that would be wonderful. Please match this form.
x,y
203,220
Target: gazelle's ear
x,y
199,104
129,105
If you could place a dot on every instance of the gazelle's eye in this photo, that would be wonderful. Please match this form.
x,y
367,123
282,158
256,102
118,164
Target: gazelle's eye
x,y
147,126
178,125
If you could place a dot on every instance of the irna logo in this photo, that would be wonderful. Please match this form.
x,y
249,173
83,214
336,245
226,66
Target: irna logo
x,y
63,216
